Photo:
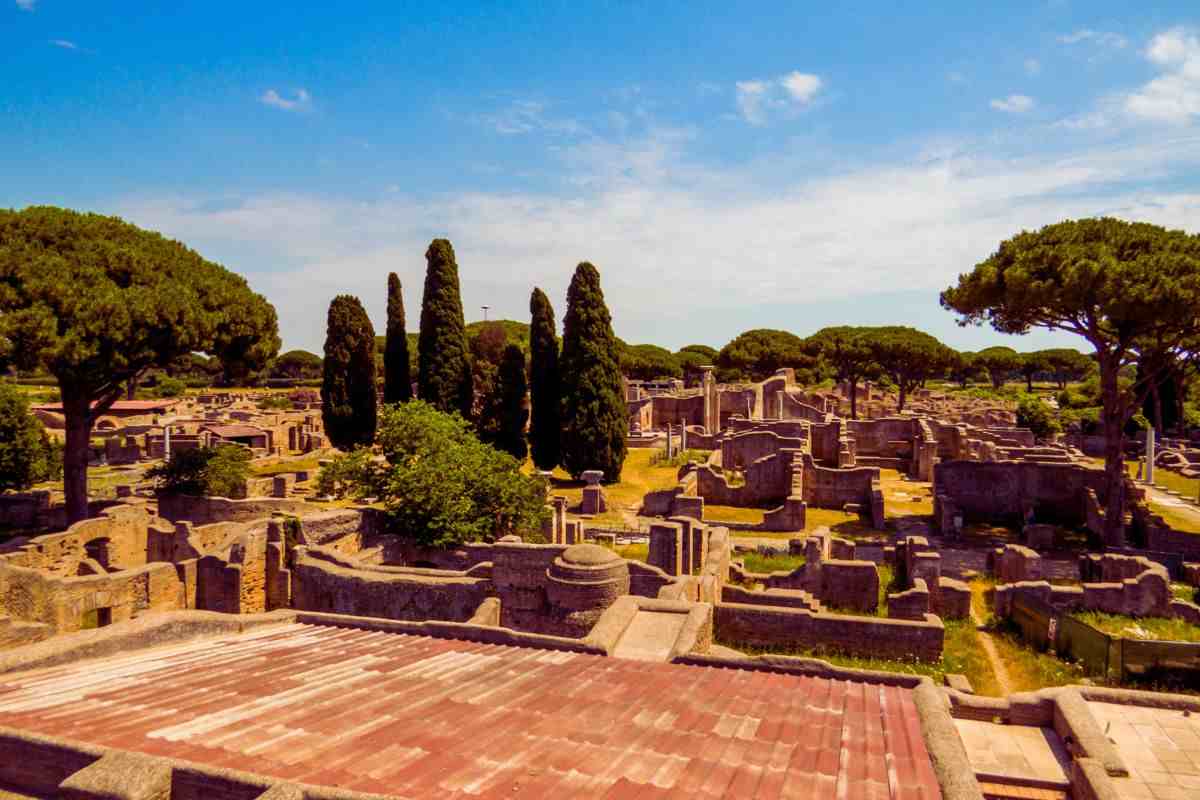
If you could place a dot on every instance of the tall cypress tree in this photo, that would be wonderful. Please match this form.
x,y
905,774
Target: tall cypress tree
x,y
512,414
545,396
397,382
595,418
444,370
348,398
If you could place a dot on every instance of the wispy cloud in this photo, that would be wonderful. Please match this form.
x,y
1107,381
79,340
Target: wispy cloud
x,y
789,93
1100,38
1173,96
527,116
300,100
644,206
27,5
1013,104
65,44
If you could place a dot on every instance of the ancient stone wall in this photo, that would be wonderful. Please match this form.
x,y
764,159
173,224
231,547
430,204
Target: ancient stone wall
x,y
204,510
799,629
319,585
1008,491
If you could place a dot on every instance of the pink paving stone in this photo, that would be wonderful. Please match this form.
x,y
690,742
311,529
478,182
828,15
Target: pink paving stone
x,y
417,716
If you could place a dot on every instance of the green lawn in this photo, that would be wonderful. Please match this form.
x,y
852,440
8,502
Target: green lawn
x,y
757,562
1160,628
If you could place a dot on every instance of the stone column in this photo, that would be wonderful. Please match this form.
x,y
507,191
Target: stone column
x,y
1150,454
682,435
712,407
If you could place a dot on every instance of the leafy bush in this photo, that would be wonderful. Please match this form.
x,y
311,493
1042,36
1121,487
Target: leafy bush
x,y
278,402
27,454
439,484
1032,413
219,471
170,387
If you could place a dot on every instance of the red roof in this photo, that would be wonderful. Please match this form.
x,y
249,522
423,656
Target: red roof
x,y
420,717
119,406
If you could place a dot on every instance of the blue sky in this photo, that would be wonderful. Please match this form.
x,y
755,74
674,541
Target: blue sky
x,y
725,165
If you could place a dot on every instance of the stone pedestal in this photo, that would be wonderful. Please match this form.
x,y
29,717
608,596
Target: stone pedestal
x,y
581,583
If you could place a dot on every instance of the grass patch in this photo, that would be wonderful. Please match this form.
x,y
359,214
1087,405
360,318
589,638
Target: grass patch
x,y
1182,591
961,654
1029,669
749,516
638,476
282,467
905,498
634,552
659,458
757,562
1159,628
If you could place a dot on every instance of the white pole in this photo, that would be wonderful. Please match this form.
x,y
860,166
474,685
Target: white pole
x,y
1150,454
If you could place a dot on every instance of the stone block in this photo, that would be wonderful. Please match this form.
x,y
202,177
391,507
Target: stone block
x,y
120,776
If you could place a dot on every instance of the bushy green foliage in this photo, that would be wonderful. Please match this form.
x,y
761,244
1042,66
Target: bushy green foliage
x,y
1129,289
514,332
1034,414
908,357
512,414
219,471
397,381
595,420
275,402
348,394
847,351
98,302
444,369
694,356
1001,363
27,455
758,354
963,368
647,362
169,387
1065,364
296,365
350,474
545,391
440,485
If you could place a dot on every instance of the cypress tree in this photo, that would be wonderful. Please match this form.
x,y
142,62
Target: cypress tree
x,y
511,389
348,395
397,382
444,371
595,419
544,393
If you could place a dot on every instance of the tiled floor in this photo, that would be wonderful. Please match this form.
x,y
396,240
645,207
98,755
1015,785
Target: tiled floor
x,y
1160,747
1014,751
419,717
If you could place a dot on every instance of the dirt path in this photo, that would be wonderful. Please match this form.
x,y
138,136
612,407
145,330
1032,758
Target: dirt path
x,y
1003,682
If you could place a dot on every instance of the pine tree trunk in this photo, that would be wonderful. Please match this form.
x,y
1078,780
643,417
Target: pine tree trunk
x,y
78,421
1114,455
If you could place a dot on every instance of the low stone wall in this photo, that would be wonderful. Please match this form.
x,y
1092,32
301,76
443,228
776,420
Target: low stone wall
x,y
205,510
798,629
326,586
1146,592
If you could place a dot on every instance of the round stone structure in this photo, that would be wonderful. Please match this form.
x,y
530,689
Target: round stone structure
x,y
582,582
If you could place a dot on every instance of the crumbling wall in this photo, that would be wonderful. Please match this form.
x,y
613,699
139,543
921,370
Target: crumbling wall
x,y
321,585
1008,491
205,510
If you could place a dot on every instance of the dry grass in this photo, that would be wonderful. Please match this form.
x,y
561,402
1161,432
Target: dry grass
x,y
1159,628
750,516
638,476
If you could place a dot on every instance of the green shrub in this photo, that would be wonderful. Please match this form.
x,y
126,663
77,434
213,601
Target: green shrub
x,y
27,454
219,471
439,484
278,402
1032,413
169,387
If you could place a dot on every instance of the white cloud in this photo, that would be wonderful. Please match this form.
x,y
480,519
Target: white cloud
x,y
787,94
1013,104
26,5
300,100
1100,38
1173,96
64,44
1032,66
802,86
526,116
751,96
713,236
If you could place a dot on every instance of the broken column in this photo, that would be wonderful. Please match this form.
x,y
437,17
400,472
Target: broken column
x,y
594,501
